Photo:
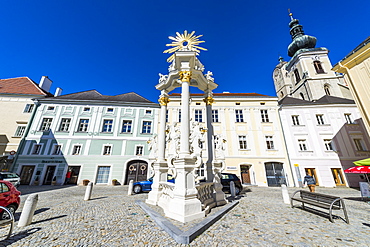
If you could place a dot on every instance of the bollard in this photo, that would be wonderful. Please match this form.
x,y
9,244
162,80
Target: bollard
x,y
284,190
28,210
232,189
88,191
130,187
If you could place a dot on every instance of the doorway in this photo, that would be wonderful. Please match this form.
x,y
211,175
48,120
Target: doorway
x,y
338,177
50,170
312,172
26,174
275,174
75,172
245,174
137,171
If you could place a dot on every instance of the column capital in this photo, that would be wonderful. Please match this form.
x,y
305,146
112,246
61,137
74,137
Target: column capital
x,y
209,100
185,76
163,100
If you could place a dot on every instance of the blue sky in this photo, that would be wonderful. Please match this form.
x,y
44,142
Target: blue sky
x,y
116,46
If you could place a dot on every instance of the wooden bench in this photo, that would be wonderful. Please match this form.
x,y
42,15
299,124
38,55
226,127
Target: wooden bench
x,y
9,221
320,200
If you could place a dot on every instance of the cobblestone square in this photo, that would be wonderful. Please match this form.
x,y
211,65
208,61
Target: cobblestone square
x,y
112,218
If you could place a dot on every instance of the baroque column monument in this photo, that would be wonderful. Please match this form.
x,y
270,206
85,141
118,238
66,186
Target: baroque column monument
x,y
178,149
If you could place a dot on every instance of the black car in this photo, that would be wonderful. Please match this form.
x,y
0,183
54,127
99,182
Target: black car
x,y
226,178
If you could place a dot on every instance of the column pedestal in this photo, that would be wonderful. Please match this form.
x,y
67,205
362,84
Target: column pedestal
x,y
219,195
160,175
185,206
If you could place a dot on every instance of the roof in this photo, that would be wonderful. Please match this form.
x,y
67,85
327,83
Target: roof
x,y
93,95
227,95
327,99
21,85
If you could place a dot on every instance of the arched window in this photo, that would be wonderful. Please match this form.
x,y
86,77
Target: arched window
x,y
326,89
318,67
302,96
297,77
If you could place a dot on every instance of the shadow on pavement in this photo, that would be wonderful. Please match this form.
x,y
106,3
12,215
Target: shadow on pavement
x,y
14,238
364,199
53,218
366,224
29,189
102,197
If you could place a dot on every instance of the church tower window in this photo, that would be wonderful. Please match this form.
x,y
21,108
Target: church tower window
x,y
297,77
318,67
326,89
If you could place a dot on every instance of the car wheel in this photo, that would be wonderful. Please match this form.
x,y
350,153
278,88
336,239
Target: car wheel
x,y
5,215
137,189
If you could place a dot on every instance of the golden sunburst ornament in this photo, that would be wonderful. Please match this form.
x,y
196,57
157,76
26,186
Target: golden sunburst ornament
x,y
184,42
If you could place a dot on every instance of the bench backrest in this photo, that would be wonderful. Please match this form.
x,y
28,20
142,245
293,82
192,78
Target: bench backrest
x,y
323,198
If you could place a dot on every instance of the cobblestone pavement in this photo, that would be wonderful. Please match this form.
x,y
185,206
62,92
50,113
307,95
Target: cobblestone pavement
x,y
112,218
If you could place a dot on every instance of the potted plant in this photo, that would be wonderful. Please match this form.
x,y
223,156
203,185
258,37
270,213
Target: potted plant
x,y
36,182
85,182
114,182
54,182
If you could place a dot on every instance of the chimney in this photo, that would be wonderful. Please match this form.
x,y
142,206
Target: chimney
x,y
45,83
58,92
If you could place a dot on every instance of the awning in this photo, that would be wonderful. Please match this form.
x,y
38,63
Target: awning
x,y
364,162
358,169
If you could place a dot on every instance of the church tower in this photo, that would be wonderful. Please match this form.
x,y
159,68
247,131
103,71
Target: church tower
x,y
307,75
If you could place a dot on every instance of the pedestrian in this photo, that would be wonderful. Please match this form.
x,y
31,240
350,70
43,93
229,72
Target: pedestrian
x,y
68,176
311,183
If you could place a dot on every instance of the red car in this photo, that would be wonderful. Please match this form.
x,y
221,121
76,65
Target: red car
x,y
9,197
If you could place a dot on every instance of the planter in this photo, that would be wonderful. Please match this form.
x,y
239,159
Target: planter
x,y
85,182
114,182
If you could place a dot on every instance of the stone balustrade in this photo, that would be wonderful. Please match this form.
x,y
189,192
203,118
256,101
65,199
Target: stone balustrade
x,y
205,195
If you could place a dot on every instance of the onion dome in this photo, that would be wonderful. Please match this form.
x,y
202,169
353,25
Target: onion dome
x,y
300,40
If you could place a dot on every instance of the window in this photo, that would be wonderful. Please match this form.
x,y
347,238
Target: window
x,y
320,119
107,125
302,145
148,112
197,103
87,109
297,77
4,188
215,116
36,149
147,127
359,145
64,124
166,116
237,103
348,118
57,150
198,116
326,89
107,150
20,131
139,150
269,142
295,119
50,108
179,116
76,150
318,67
45,125
328,145
264,116
110,110
28,108
103,174
82,126
126,126
239,116
242,142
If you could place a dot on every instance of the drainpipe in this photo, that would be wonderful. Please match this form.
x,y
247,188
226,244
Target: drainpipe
x,y
23,140
282,130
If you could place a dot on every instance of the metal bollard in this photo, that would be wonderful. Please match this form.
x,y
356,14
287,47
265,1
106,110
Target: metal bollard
x,y
88,191
130,187
286,197
28,210
232,189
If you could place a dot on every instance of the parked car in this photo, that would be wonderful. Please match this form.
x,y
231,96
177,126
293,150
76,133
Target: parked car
x,y
146,186
11,177
226,178
9,198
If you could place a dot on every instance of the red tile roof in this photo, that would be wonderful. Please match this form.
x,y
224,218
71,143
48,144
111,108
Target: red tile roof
x,y
21,85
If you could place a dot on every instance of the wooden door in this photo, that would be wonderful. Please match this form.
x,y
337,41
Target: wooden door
x,y
26,174
137,171
49,175
338,177
245,174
